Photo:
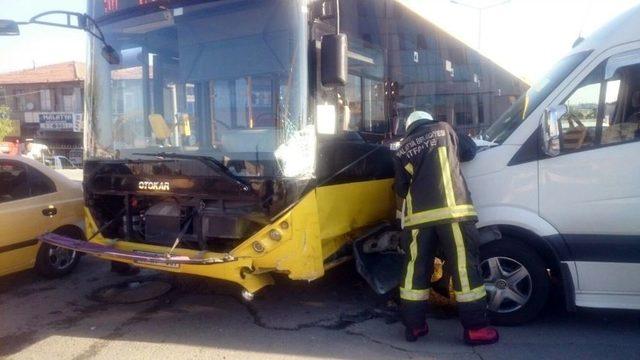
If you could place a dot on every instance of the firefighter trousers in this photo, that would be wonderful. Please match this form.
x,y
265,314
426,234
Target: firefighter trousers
x,y
459,242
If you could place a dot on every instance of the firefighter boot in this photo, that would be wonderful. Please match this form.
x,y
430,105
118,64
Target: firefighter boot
x,y
482,336
411,335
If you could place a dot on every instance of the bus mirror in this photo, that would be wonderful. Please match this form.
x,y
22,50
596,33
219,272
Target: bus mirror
x,y
65,19
551,130
9,28
333,58
111,55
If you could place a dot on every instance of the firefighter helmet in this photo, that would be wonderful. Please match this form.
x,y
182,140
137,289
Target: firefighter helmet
x,y
416,119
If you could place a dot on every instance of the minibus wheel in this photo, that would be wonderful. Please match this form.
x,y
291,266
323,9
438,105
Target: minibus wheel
x,y
516,279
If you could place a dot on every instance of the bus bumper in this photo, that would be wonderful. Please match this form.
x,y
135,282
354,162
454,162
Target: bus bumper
x,y
297,251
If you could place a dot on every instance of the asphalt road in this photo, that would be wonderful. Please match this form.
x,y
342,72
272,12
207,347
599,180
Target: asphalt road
x,y
335,317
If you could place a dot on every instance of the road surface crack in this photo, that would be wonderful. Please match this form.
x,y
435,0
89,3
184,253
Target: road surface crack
x,y
375,341
343,321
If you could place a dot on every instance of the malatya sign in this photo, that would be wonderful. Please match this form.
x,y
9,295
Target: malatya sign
x,y
60,121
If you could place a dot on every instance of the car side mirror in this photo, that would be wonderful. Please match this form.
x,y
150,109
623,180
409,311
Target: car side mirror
x,y
333,58
551,129
9,28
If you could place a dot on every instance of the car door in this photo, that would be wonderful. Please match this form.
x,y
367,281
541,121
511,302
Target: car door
x,y
26,195
591,191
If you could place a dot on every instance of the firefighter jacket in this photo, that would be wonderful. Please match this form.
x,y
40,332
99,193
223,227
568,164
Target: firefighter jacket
x,y
428,177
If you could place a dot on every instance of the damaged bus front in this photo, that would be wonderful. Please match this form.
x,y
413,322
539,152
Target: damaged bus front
x,y
211,146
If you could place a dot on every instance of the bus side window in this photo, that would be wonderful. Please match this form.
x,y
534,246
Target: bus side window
x,y
374,119
353,94
365,98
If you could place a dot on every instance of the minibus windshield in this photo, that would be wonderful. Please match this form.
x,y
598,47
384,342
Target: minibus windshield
x,y
224,79
509,121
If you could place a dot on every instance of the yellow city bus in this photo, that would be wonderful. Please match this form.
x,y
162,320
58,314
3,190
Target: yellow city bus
x,y
235,139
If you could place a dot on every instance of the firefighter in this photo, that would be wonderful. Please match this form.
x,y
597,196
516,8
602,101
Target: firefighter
x,y
438,212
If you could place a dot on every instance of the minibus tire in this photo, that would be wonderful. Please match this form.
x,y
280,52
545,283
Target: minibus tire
x,y
514,252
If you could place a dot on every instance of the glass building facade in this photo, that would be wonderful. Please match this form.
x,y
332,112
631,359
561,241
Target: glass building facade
x,y
397,52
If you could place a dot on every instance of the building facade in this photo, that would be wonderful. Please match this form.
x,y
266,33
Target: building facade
x,y
397,51
48,103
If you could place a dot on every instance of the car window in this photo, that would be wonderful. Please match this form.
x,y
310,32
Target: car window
x,y
14,183
21,181
40,184
50,162
66,164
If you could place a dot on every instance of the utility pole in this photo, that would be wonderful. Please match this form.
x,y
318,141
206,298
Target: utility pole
x,y
479,10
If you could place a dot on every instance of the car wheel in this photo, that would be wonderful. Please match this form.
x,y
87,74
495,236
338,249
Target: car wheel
x,y
516,280
54,262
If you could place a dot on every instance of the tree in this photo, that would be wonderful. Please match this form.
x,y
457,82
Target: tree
x,y
6,124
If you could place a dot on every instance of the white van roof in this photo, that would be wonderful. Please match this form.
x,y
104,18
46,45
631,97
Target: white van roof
x,y
620,30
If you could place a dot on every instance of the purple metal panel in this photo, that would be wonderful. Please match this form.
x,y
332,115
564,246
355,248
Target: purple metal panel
x,y
139,257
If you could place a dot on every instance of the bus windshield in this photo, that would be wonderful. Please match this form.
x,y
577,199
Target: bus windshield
x,y
225,79
529,101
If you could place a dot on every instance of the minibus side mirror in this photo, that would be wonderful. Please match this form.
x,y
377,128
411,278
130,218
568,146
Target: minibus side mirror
x,y
333,59
9,28
551,129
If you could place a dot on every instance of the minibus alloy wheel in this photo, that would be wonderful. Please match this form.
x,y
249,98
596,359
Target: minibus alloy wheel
x,y
516,280
508,284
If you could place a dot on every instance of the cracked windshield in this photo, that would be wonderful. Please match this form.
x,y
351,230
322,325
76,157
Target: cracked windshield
x,y
193,82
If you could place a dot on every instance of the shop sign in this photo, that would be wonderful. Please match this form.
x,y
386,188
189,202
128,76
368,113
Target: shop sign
x,y
60,122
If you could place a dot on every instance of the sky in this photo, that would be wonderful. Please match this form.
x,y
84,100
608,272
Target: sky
x,y
525,37
37,44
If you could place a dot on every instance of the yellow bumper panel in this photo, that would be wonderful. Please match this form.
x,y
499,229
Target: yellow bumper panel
x,y
291,245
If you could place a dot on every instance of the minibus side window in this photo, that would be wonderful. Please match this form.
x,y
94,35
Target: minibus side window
x,y
578,125
621,120
605,108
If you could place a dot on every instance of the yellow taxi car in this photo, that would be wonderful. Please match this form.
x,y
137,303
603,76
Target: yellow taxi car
x,y
34,200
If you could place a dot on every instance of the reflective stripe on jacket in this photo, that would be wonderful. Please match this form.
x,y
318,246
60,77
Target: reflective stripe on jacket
x,y
428,177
